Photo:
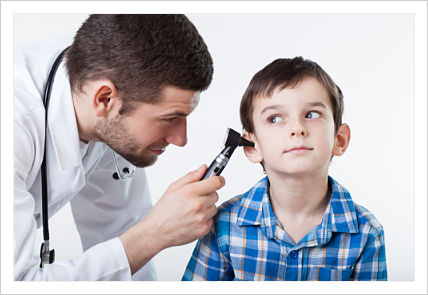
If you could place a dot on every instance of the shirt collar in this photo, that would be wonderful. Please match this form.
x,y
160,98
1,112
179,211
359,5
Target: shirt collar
x,y
255,208
340,215
62,121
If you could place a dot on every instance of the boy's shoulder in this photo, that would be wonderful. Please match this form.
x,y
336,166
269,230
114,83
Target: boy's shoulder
x,y
229,210
231,204
367,219
234,215
251,200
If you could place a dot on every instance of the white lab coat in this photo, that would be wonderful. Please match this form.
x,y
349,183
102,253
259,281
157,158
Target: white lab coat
x,y
78,173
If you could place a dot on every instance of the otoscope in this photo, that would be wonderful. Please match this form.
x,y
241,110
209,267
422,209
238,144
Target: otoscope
x,y
232,140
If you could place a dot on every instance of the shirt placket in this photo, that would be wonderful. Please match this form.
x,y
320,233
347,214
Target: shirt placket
x,y
290,262
292,266
303,251
293,269
282,269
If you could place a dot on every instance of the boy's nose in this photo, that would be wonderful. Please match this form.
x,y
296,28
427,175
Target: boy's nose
x,y
298,130
297,133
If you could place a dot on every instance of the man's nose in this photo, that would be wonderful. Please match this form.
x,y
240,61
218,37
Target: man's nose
x,y
178,135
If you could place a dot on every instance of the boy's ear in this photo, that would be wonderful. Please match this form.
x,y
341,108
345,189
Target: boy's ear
x,y
253,153
341,140
104,97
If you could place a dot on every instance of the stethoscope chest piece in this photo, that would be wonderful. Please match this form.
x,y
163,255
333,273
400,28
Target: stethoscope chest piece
x,y
46,255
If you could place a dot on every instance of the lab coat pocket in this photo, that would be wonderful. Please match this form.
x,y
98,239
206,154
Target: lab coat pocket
x,y
329,274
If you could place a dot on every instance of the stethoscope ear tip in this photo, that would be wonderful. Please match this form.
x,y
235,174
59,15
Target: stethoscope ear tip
x,y
125,173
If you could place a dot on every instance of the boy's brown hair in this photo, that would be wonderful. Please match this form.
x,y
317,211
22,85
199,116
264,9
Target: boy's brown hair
x,y
287,73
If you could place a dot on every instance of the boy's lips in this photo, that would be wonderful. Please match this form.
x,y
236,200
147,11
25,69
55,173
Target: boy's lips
x,y
298,149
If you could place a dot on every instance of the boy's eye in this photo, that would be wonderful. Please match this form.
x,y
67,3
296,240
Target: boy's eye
x,y
312,115
274,119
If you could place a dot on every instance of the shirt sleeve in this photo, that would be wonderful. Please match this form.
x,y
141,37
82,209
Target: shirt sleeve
x,y
208,263
371,265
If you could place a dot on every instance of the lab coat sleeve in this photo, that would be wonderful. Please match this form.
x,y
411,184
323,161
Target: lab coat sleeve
x,y
106,261
105,207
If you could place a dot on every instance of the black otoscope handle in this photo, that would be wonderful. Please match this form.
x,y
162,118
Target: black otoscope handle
x,y
214,169
219,162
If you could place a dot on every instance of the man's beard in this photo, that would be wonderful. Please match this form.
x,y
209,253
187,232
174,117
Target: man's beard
x,y
113,133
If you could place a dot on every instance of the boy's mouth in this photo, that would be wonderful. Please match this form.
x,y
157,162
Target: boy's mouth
x,y
298,149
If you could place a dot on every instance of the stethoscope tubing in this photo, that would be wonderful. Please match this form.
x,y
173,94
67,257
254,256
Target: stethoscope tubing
x,y
46,98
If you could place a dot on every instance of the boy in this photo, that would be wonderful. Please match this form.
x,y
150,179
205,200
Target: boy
x,y
297,223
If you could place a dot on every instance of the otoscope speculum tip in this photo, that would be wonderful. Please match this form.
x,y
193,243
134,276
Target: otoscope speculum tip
x,y
234,139
245,142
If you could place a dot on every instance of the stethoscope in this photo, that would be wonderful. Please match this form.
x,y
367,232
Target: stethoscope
x,y
46,255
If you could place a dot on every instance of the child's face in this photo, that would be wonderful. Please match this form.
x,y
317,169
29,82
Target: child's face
x,y
294,130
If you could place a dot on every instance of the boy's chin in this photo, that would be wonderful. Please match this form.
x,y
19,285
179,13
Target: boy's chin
x,y
293,173
290,171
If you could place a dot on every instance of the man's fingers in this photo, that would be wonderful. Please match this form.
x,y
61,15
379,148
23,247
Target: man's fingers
x,y
209,200
188,178
208,185
212,211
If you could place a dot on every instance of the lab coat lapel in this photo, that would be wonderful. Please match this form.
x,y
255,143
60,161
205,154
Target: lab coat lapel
x,y
63,128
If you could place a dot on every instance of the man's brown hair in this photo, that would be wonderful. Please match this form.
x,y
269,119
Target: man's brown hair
x,y
140,54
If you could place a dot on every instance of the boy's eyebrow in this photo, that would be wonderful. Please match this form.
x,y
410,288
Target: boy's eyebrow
x,y
271,107
316,104
309,104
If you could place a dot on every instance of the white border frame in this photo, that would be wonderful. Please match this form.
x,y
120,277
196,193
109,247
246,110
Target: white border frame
x,y
418,8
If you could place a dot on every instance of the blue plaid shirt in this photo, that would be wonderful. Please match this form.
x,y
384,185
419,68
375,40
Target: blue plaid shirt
x,y
247,243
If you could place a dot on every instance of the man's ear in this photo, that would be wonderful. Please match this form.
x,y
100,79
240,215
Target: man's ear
x,y
253,153
105,97
341,140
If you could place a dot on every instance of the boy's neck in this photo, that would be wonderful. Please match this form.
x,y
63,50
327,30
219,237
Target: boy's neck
x,y
300,196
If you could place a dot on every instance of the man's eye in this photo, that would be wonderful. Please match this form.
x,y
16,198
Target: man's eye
x,y
274,119
169,120
312,115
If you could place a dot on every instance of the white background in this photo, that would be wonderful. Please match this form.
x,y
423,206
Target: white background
x,y
370,56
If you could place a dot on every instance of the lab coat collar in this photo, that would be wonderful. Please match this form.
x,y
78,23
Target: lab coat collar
x,y
62,121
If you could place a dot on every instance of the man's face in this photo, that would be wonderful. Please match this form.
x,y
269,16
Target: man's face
x,y
143,134
294,129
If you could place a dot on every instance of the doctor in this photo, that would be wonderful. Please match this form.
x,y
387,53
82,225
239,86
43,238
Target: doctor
x,y
126,84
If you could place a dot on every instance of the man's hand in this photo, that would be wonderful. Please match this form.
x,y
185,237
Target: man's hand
x,y
183,214
185,211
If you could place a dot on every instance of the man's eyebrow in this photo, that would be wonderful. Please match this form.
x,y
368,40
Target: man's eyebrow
x,y
175,114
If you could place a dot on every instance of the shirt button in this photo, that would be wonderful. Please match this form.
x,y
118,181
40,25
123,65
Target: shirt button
x,y
293,254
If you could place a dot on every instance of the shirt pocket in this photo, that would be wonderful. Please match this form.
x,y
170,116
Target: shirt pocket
x,y
329,274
